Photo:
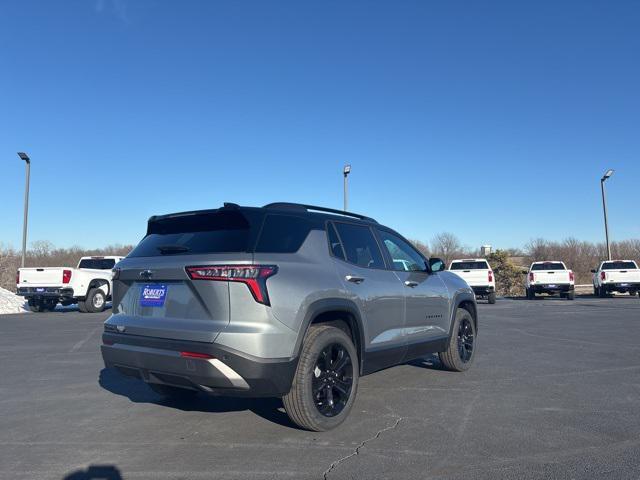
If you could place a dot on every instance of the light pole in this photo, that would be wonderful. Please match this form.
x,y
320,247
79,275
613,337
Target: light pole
x,y
346,171
25,157
607,174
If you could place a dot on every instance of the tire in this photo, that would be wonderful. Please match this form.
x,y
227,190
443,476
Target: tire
x,y
602,293
82,306
176,393
571,295
492,298
461,350
530,294
327,369
37,307
96,300
50,306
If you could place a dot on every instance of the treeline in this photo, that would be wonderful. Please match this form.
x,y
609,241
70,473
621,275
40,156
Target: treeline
x,y
579,256
45,254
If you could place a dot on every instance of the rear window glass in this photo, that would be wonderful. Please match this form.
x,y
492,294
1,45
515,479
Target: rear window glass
x,y
618,266
283,234
469,266
97,263
206,232
334,242
360,245
547,266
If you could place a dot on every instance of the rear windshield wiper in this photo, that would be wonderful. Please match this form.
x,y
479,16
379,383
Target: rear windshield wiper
x,y
168,249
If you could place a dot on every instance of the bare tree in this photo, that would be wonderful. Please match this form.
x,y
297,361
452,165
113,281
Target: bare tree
x,y
422,247
446,246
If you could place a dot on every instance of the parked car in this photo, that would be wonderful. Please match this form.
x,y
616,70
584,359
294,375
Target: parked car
x,y
552,278
287,300
88,285
620,276
478,274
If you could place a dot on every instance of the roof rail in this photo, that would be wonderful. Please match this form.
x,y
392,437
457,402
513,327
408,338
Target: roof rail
x,y
306,208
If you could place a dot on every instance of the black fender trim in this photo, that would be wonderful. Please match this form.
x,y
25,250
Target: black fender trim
x,y
328,305
459,297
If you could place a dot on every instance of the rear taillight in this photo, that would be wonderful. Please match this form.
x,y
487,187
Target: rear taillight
x,y
490,276
66,276
253,276
603,276
531,276
115,274
18,277
571,276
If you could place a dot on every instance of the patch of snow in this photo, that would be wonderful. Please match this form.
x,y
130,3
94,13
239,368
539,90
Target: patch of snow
x,y
11,303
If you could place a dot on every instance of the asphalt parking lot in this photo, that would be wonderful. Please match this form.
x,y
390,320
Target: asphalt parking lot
x,y
554,393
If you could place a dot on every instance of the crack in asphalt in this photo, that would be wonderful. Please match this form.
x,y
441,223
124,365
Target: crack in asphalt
x,y
359,447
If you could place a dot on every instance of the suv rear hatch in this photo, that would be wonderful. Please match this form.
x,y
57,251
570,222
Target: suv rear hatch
x,y
153,293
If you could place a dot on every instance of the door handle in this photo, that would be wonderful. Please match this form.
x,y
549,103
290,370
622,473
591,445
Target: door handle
x,y
354,279
410,283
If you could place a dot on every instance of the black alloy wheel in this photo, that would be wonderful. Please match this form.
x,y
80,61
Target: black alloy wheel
x,y
465,340
332,380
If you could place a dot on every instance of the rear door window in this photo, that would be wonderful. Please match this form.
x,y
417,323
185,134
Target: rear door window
x,y
470,266
335,246
618,266
548,266
97,263
360,245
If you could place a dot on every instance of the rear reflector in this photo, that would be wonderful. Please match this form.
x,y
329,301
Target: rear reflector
x,y
196,355
253,276
66,276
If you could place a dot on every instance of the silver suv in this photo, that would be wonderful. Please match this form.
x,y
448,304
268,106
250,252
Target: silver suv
x,y
287,300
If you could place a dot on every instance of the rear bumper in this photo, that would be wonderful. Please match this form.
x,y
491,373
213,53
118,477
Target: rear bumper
x,y
621,287
156,360
483,290
45,292
553,288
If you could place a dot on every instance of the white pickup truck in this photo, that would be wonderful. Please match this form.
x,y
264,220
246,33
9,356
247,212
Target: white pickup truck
x,y
550,278
616,276
478,274
88,285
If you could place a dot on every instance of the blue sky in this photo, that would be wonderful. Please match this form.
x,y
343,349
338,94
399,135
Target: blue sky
x,y
491,120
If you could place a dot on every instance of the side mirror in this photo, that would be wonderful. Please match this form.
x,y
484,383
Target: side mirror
x,y
592,271
436,264
524,272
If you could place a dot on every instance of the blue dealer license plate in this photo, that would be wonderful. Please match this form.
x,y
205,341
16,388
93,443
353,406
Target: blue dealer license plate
x,y
153,295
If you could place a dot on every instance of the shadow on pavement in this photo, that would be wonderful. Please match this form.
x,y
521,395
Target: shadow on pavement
x,y
95,472
139,392
431,363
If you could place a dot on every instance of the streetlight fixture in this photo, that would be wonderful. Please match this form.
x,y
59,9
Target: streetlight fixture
x,y
607,174
25,157
346,171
